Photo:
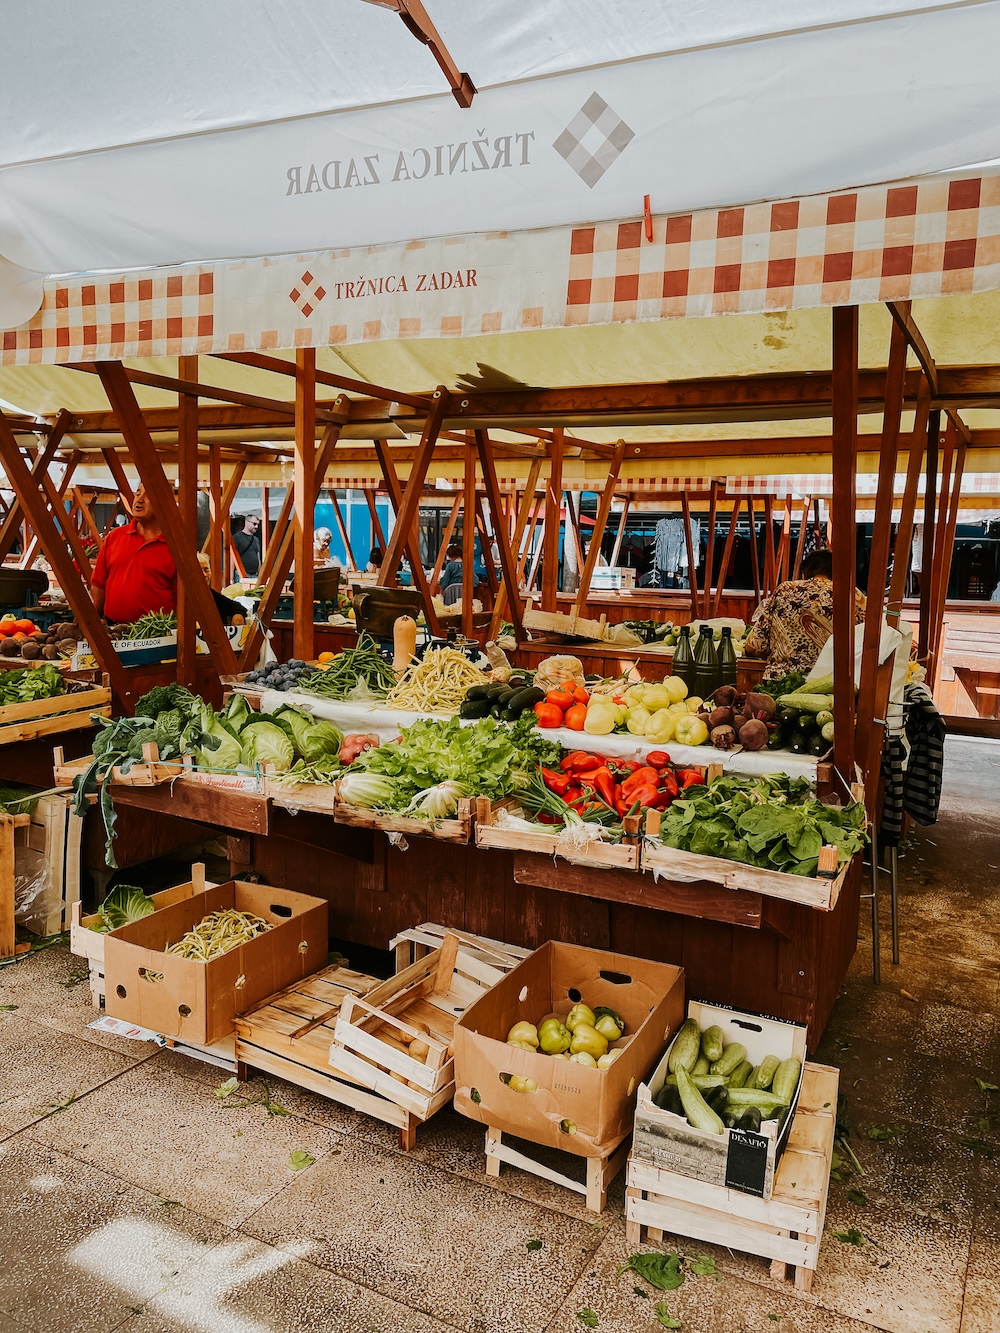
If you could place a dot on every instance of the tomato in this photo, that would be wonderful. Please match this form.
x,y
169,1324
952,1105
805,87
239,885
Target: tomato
x,y
568,685
19,637
580,695
25,626
562,699
576,717
7,628
548,715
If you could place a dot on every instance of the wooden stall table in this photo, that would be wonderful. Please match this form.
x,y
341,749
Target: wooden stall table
x,y
327,638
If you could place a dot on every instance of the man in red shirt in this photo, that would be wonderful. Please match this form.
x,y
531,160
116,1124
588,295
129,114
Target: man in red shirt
x,y
135,572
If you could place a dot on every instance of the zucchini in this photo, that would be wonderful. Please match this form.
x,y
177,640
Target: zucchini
x,y
493,692
744,1097
523,700
473,709
738,1078
766,1071
686,1047
477,692
786,1080
712,1044
669,1099
700,1065
702,1081
716,1099
807,703
799,744
818,745
733,1056
750,1119
698,1113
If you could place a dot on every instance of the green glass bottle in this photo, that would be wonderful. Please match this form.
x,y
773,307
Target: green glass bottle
x,y
706,665
684,658
727,657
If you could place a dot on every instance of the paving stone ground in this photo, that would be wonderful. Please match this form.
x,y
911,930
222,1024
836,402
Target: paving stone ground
x,y
132,1199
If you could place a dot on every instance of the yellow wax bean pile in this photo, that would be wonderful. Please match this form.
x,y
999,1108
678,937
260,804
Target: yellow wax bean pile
x,y
436,684
217,933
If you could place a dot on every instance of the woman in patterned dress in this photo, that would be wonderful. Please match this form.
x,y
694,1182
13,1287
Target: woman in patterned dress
x,y
792,625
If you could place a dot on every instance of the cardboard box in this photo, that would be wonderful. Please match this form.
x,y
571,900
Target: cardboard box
x,y
181,997
598,1102
737,1159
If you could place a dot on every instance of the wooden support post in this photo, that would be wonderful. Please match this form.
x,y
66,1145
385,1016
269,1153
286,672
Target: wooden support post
x,y
468,537
904,532
785,544
537,510
692,556
869,733
216,542
305,484
713,513
947,555
378,536
509,591
83,508
11,525
144,455
754,552
727,555
929,552
35,507
31,538
404,532
411,538
114,465
265,522
331,495
600,523
442,555
187,505
552,523
770,577
484,536
845,443
616,551
800,545
942,557
573,501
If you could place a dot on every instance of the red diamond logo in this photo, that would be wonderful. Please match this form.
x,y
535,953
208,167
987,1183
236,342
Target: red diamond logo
x,y
308,294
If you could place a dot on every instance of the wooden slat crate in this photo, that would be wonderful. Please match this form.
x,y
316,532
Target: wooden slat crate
x,y
787,1228
411,945
490,833
292,1035
54,831
8,826
457,829
147,772
601,1171
88,943
65,712
373,1033
301,795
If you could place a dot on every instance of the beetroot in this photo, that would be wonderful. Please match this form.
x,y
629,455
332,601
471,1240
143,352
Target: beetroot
x,y
761,705
724,696
753,735
739,717
720,717
723,738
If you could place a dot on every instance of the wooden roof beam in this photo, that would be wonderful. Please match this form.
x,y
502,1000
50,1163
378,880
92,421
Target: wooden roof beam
x,y
277,366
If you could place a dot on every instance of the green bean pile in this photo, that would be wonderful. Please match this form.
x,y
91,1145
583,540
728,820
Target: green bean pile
x,y
217,933
153,625
364,663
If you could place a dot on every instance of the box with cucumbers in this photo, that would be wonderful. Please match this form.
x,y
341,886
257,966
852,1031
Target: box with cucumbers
x,y
720,1103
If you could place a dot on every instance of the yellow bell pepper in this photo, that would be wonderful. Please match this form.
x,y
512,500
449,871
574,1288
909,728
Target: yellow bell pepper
x,y
638,720
656,696
676,688
524,1031
580,1013
678,708
554,1037
634,695
607,1059
690,731
519,1084
693,704
588,1040
601,719
522,1046
660,727
610,1026
583,1058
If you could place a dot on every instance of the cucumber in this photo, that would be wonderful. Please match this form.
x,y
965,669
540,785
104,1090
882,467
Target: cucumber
x,y
738,1078
698,1113
700,1065
703,1081
818,745
523,700
744,1097
750,1119
716,1100
686,1047
786,1080
733,1056
766,1071
477,692
712,1044
669,1099
799,744
493,692
778,739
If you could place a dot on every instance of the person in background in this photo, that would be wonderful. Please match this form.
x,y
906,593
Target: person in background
x,y
135,572
322,558
232,613
451,575
795,621
375,559
246,539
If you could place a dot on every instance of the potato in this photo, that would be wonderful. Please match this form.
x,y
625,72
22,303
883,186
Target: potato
x,y
419,1050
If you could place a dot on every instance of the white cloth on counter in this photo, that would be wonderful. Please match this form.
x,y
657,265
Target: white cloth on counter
x,y
386,724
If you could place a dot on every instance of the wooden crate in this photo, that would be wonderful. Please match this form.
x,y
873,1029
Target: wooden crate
x,y
409,946
490,833
457,829
820,891
147,772
301,795
57,833
787,1228
292,1035
601,1171
88,943
65,712
8,826
372,1034
567,625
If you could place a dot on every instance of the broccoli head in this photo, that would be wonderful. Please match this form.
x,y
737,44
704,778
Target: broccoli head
x,y
163,698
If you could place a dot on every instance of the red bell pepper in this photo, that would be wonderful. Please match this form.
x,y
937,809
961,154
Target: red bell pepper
x,y
641,777
557,782
544,817
690,777
644,796
658,759
668,782
578,761
663,801
604,785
